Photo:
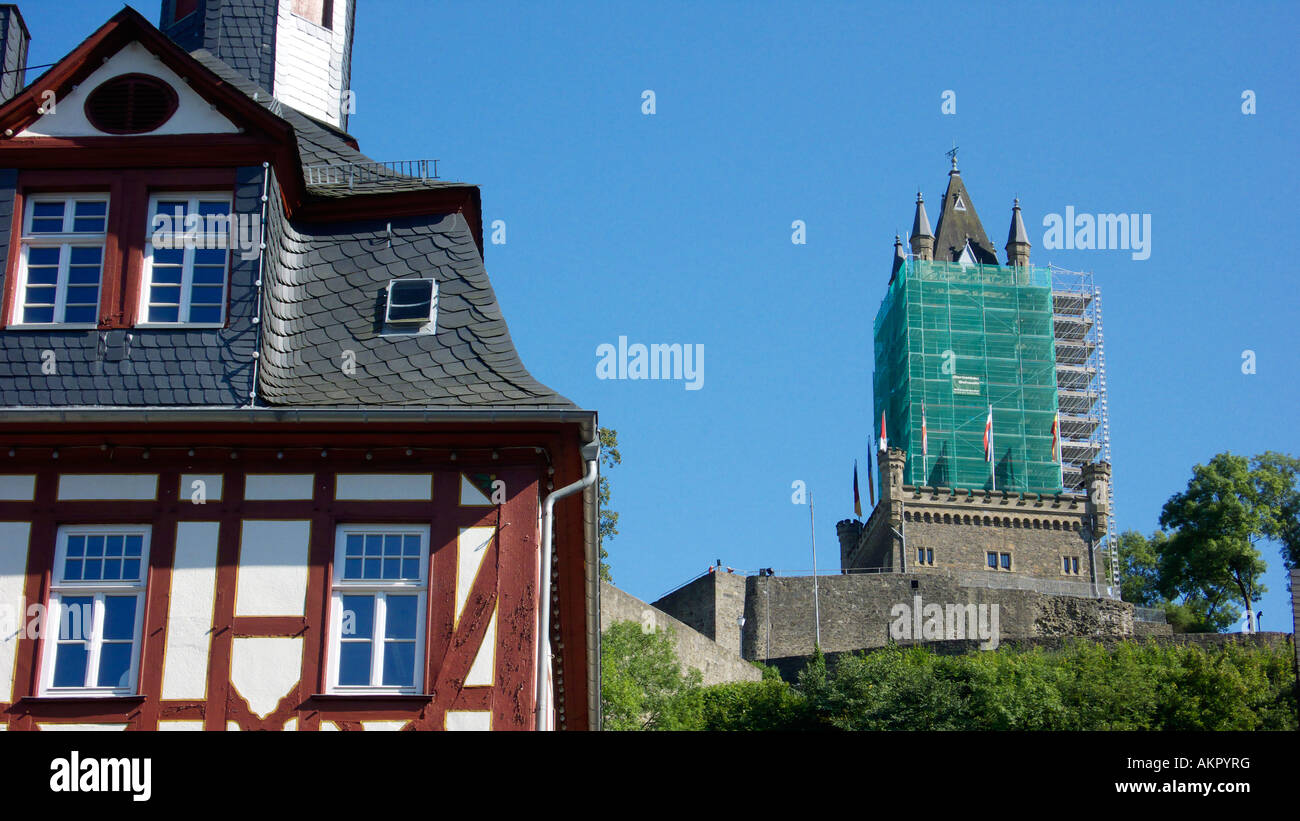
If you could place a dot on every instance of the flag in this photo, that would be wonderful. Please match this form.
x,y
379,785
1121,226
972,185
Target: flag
x,y
988,437
857,499
883,446
925,437
871,478
1056,437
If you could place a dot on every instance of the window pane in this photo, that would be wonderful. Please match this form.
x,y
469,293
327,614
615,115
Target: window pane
x,y
76,545
76,618
47,217
210,256
351,568
89,217
38,314
131,569
72,570
412,546
167,257
392,545
206,294
358,617
399,663
371,570
134,545
94,545
93,570
113,546
410,569
1006,561
70,665
83,314
374,544
401,618
164,314
174,209
210,208
353,546
993,560
205,313
392,568
115,664
354,663
119,617
42,257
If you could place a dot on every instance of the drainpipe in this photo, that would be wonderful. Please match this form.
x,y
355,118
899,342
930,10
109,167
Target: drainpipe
x,y
590,454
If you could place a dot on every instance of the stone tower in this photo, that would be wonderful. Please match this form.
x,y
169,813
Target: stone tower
x,y
299,50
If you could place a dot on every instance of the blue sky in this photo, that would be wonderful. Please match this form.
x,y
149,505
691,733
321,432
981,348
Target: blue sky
x,y
676,227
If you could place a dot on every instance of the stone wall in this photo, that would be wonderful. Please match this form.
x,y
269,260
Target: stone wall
x,y
712,604
694,649
858,609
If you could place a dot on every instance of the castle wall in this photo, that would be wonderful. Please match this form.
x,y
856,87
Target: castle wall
x,y
856,610
716,663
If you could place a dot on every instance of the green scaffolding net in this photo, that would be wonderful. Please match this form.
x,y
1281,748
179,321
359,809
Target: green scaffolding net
x,y
959,338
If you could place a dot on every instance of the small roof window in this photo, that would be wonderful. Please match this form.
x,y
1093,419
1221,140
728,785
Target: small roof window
x,y
411,306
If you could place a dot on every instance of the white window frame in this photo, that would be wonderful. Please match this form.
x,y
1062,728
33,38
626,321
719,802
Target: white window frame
x,y
97,589
411,327
192,199
65,241
341,587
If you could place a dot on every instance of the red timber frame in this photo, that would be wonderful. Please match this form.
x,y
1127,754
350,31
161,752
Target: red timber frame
x,y
127,229
506,582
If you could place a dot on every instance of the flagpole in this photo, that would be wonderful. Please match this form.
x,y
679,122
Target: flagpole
x,y
817,609
993,474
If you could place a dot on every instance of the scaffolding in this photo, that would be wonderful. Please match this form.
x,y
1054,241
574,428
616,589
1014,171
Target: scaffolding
x,y
1081,383
953,340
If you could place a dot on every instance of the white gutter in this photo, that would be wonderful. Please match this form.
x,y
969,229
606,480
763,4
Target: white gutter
x,y
590,453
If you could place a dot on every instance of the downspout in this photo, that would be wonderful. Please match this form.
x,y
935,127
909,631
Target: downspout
x,y
257,284
591,454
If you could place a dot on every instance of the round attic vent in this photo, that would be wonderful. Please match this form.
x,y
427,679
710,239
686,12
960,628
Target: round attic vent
x,y
131,104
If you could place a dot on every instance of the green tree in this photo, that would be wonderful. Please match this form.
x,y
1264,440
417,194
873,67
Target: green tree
x,y
609,456
642,686
1211,555
1139,561
1275,477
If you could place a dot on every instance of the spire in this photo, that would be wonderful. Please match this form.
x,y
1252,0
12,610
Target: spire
x,y
958,224
922,241
900,258
1017,239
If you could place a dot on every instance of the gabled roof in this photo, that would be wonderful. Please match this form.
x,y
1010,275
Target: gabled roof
x,y
958,224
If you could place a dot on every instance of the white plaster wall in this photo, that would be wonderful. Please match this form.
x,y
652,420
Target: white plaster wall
x,y
108,486
471,547
309,62
17,488
189,611
79,728
272,575
278,486
179,726
384,486
471,496
212,486
264,670
194,115
13,617
468,720
388,726
481,672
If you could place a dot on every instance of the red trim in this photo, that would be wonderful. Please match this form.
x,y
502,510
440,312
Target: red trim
x,y
127,228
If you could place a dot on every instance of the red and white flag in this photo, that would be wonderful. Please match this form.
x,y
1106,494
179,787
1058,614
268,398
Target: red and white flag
x,y
1056,438
925,435
988,437
883,446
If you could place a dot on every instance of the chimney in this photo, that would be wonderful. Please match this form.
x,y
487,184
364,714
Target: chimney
x,y
14,38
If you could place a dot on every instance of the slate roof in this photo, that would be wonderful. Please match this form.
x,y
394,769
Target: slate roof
x,y
956,227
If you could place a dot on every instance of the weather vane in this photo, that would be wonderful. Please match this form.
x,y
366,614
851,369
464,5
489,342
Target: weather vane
x,y
953,153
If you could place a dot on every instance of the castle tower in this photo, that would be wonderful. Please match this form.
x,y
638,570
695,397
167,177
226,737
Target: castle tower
x,y
299,50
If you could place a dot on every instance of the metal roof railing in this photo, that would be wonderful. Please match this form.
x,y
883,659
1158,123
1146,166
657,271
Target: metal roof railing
x,y
352,173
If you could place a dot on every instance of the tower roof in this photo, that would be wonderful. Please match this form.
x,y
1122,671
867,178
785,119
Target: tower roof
x,y
959,223
921,222
1017,232
900,258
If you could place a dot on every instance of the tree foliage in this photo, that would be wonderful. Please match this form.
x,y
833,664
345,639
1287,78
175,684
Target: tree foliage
x,y
1211,556
609,456
641,684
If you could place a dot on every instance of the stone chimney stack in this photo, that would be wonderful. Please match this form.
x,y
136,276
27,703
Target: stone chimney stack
x,y
14,39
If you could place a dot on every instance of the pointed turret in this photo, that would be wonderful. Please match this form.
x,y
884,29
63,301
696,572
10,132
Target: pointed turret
x,y
1017,238
959,224
922,240
900,258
